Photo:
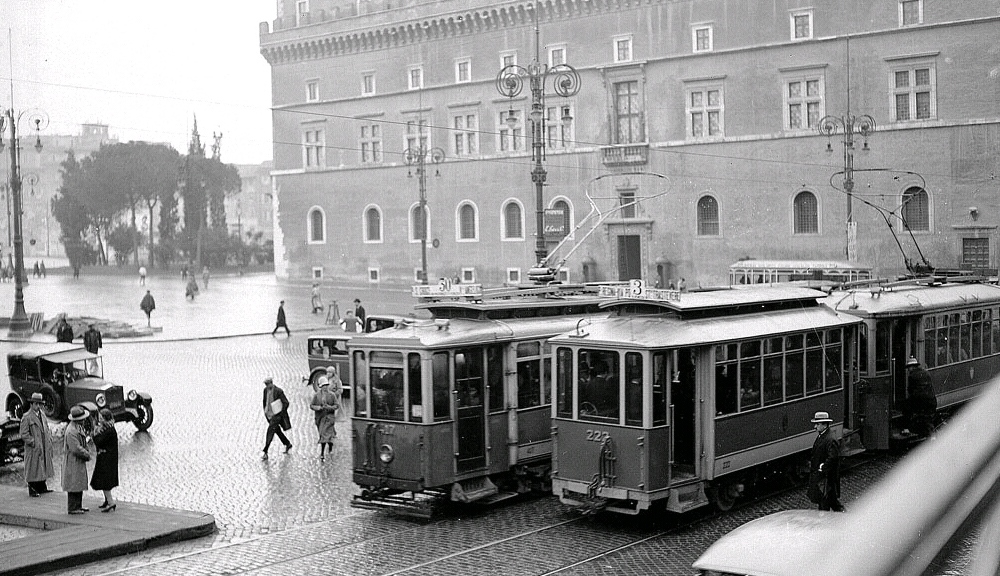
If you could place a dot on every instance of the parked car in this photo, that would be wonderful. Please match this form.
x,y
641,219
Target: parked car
x,y
11,443
67,374
328,350
376,322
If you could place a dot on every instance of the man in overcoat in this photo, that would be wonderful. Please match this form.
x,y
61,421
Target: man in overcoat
x,y
74,480
280,321
276,413
824,468
147,305
921,401
92,340
64,332
37,448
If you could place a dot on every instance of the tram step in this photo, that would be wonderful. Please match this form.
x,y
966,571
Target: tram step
x,y
687,497
497,498
472,490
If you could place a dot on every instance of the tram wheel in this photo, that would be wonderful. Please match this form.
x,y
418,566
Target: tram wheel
x,y
724,495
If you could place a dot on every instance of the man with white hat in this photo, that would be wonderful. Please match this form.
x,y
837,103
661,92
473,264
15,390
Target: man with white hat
x,y
38,447
824,468
74,479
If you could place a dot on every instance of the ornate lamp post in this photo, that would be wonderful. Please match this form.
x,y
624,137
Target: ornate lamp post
x,y
565,82
418,157
849,125
19,324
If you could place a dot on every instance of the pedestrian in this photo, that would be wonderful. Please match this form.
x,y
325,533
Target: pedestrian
x,y
147,305
105,477
191,290
35,273
682,286
64,332
336,387
324,405
41,268
317,299
184,272
92,340
920,405
142,275
350,322
359,312
280,322
76,271
37,447
276,413
74,478
204,276
824,467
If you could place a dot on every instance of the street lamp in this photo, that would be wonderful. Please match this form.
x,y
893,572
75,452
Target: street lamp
x,y
849,125
418,157
565,82
20,326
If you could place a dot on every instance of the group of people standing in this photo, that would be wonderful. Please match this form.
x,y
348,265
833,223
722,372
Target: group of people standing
x,y
80,432
326,404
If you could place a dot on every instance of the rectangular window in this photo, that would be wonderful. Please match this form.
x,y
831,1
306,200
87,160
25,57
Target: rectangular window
x,y
704,111
440,385
368,84
416,394
494,378
529,374
726,386
701,38
804,104
312,90
301,12
628,113
416,78
465,134
513,275
914,91
801,25
564,382
463,71
626,199
417,135
599,391
371,143
508,58
633,389
558,123
557,55
511,131
749,375
623,49
659,389
313,155
360,384
911,12
976,253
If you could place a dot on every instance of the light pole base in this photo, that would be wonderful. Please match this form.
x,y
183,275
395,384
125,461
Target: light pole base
x,y
20,329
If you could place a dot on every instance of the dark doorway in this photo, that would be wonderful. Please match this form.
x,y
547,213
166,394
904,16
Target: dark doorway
x,y
682,401
629,258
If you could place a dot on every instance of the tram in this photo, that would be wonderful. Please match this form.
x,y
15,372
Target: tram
x,y
779,271
679,400
457,407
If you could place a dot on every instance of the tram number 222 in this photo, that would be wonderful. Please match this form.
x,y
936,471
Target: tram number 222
x,y
597,436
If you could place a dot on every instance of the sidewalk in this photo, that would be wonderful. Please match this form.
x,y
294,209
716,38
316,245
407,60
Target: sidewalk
x,y
70,540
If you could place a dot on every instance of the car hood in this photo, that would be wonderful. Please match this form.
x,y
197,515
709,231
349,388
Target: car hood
x,y
93,383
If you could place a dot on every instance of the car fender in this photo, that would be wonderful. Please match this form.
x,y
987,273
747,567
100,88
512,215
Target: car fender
x,y
146,397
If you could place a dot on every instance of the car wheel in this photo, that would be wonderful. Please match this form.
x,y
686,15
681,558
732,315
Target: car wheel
x,y
145,418
15,408
314,378
52,407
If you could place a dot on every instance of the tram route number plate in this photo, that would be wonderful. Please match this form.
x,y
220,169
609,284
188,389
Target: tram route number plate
x,y
597,435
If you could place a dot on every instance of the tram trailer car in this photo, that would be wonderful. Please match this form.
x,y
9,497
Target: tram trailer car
x,y
951,326
458,407
678,400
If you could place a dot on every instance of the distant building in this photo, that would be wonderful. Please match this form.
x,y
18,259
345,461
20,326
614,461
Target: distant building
x,y
706,112
249,211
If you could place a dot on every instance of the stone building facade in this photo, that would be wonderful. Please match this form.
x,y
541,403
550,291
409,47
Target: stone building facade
x,y
693,140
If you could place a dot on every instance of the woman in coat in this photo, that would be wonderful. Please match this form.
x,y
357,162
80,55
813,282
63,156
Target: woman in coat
x,y
74,478
324,405
106,468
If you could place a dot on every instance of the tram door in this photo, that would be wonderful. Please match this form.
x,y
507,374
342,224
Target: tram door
x,y
682,411
470,427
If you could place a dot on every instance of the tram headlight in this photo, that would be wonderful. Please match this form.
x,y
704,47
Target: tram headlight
x,y
386,454
100,400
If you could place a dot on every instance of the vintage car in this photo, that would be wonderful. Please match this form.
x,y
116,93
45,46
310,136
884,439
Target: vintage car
x,y
67,374
324,350
11,443
376,322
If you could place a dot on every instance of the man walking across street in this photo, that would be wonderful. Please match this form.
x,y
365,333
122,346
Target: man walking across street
x,y
280,322
824,468
92,340
38,448
74,479
148,304
276,413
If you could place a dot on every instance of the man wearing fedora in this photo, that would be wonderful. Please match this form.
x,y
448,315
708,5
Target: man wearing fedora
x,y
74,479
276,413
824,468
38,448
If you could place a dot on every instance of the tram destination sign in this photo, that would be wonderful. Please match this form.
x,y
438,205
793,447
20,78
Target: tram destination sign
x,y
447,289
637,290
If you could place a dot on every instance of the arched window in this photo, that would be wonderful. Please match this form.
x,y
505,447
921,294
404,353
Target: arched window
x,y
513,222
806,213
708,216
916,209
567,216
418,224
317,226
373,224
468,225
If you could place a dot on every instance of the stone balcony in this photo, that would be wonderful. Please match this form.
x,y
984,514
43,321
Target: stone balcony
x,y
620,155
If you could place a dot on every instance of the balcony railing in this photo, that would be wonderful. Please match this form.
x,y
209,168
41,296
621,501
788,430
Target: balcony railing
x,y
625,155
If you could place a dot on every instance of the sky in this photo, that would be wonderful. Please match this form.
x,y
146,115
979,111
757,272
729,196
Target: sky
x,y
145,69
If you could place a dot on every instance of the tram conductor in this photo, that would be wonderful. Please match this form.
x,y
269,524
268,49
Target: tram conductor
x,y
824,466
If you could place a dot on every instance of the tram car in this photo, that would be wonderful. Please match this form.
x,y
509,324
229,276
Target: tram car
x,y
457,407
678,400
950,326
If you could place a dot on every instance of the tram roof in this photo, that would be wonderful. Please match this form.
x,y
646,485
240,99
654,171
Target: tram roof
x,y
663,331
728,298
905,298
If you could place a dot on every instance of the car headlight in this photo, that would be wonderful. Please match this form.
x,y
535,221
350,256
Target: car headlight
x,y
100,400
132,395
386,454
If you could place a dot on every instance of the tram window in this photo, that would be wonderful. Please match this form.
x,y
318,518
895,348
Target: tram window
x,y
954,339
863,348
814,371
725,388
942,346
469,376
494,377
773,393
930,349
564,382
965,347
599,392
546,374
977,338
834,376
987,323
883,346
633,389
360,390
814,339
750,375
387,393
528,384
416,393
439,383
794,375
660,389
